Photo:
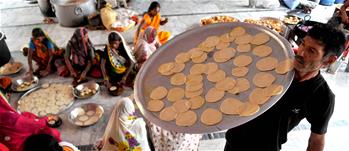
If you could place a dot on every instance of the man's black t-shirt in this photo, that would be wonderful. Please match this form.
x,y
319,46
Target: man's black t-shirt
x,y
311,99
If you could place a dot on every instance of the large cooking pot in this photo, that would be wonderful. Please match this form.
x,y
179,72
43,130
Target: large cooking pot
x,y
5,55
46,8
73,12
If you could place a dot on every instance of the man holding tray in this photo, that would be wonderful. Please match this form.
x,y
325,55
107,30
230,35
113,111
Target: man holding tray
x,y
308,96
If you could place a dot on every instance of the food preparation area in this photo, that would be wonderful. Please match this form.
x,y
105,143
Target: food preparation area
x,y
183,15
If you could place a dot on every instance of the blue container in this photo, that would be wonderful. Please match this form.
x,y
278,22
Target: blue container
x,y
339,1
327,2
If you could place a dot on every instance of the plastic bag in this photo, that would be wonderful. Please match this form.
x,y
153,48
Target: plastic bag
x,y
291,4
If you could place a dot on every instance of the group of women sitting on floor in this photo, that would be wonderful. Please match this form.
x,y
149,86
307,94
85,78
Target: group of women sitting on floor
x,y
117,65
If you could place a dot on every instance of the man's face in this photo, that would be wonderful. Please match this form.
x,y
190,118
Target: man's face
x,y
309,56
115,44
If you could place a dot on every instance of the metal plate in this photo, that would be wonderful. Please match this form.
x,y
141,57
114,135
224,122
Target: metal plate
x,y
16,84
83,110
16,65
93,86
148,77
16,105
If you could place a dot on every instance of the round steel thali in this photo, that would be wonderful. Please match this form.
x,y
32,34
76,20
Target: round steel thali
x,y
148,77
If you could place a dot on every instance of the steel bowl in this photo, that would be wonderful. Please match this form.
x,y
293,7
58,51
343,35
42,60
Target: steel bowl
x,y
86,90
86,114
24,84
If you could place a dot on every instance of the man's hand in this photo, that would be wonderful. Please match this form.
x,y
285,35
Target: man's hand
x,y
316,142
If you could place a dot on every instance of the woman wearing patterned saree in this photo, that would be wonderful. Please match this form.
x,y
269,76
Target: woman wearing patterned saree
x,y
46,54
81,57
125,131
116,64
153,18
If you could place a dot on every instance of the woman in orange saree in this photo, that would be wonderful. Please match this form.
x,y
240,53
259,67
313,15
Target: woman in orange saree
x,y
153,18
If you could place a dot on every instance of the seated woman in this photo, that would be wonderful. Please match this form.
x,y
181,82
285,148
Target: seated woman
x,y
153,18
125,131
46,54
116,64
146,45
16,127
81,57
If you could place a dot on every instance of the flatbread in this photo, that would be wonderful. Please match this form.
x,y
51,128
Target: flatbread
x,y
274,89
222,45
211,67
194,53
91,120
262,51
200,59
266,64
237,31
224,55
182,57
211,116
155,105
196,102
216,76
249,109
258,96
263,79
194,77
194,87
178,79
260,38
214,95
181,106
239,71
198,69
191,94
284,66
225,84
166,67
78,123
244,39
90,113
158,93
187,118
211,41
242,60
243,48
231,106
168,114
179,67
175,94
225,38
83,118
242,85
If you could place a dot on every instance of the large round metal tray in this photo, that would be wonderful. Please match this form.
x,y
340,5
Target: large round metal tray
x,y
148,77
16,104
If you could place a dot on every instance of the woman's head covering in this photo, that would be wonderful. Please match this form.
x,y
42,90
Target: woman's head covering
x,y
124,129
124,49
81,49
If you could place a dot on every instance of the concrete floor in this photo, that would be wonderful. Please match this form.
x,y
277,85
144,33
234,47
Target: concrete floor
x,y
17,18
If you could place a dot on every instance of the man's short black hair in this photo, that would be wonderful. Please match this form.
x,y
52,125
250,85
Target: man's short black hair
x,y
37,32
153,5
42,142
113,37
332,38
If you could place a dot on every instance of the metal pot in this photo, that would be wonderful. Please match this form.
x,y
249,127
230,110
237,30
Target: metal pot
x,y
73,12
46,8
5,55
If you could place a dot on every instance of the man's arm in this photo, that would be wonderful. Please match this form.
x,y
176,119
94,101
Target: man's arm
x,y
316,142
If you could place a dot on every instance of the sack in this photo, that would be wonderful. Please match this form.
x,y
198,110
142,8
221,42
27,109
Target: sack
x,y
269,4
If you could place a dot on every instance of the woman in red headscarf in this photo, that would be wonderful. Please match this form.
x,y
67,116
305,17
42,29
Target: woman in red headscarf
x,y
15,127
